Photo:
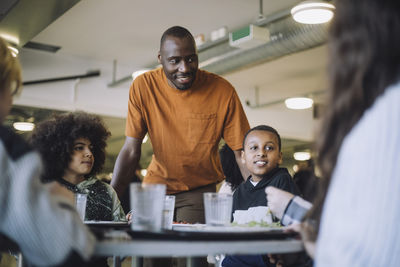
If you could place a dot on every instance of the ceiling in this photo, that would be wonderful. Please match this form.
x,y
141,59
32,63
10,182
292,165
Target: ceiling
x,y
120,36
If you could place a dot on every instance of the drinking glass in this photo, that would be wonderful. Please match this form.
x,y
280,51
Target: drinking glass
x,y
218,208
80,204
168,212
147,202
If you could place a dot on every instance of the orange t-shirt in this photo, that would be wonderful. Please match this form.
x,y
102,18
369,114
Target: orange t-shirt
x,y
185,127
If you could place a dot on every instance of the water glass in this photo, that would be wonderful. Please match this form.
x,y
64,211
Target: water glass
x,y
147,203
218,208
80,204
168,212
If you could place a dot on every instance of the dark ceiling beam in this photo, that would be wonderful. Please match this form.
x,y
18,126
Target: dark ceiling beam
x,y
24,19
89,74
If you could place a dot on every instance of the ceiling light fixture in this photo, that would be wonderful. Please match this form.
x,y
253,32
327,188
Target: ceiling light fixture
x,y
313,12
24,126
299,103
301,156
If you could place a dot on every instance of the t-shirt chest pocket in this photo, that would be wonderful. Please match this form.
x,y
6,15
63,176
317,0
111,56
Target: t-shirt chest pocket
x,y
202,128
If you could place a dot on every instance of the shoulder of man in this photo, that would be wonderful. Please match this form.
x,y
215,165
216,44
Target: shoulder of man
x,y
212,77
153,74
14,144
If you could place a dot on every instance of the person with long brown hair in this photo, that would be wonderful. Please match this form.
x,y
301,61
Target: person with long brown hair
x,y
355,217
354,220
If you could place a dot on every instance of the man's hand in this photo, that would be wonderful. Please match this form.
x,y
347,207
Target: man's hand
x,y
277,200
126,164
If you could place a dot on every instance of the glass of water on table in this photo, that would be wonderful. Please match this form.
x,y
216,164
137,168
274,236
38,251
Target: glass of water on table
x,y
218,209
168,212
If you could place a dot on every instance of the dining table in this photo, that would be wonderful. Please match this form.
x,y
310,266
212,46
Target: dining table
x,y
191,241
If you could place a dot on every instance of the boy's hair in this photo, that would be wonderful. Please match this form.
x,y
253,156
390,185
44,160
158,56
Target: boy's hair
x,y
55,137
263,128
10,70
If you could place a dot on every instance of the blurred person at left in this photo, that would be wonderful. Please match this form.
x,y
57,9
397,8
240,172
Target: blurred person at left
x,y
40,219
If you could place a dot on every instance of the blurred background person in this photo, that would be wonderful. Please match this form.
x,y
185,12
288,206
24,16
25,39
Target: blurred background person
x,y
306,180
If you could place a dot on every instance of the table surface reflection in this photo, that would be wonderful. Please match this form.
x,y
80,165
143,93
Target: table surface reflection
x,y
124,242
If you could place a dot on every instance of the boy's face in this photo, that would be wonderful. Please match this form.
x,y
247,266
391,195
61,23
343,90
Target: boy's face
x,y
261,153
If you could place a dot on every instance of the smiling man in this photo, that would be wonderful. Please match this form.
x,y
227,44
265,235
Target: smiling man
x,y
186,112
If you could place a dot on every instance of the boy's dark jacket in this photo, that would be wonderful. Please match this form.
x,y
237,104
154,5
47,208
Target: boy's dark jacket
x,y
247,195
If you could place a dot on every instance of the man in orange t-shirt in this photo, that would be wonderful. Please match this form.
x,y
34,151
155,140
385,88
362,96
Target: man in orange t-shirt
x,y
186,112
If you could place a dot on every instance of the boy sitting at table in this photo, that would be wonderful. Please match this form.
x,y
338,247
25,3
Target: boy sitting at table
x,y
72,146
261,155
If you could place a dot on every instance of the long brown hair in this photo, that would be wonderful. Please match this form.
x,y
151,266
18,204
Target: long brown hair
x,y
10,69
364,60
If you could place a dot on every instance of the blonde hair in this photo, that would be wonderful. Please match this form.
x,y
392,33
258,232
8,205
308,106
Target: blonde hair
x,y
10,69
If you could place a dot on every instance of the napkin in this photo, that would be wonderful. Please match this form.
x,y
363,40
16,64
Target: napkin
x,y
260,214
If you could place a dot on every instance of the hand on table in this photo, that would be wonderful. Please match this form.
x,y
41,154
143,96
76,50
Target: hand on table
x,y
277,200
129,217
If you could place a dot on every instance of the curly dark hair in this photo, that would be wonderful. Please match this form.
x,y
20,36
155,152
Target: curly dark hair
x,y
54,139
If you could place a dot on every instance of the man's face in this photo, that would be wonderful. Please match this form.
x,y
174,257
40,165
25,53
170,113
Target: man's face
x,y
179,59
261,153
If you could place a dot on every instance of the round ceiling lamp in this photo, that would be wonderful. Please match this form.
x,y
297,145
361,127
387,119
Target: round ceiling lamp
x,y
301,156
313,12
24,126
299,103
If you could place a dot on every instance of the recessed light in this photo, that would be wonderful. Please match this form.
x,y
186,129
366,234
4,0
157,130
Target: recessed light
x,y
313,12
301,156
299,103
24,126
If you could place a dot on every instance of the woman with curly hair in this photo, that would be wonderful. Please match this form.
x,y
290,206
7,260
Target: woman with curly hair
x,y
72,146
